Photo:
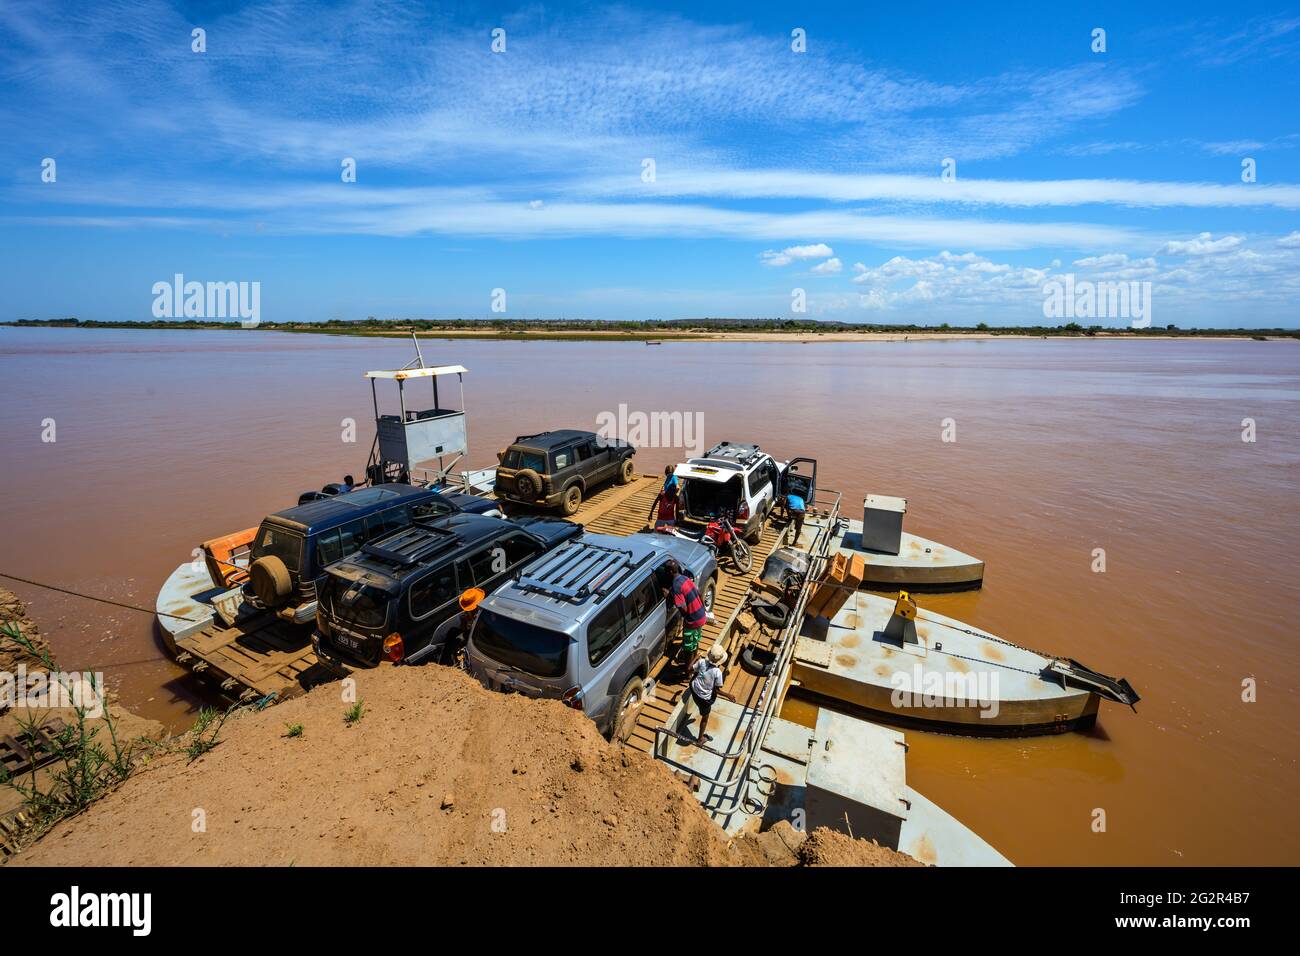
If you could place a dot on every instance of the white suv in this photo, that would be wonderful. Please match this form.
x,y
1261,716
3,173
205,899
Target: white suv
x,y
740,480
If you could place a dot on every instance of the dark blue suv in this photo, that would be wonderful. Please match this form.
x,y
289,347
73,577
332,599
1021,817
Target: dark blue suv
x,y
293,547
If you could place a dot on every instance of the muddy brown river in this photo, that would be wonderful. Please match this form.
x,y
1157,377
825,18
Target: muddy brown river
x,y
163,439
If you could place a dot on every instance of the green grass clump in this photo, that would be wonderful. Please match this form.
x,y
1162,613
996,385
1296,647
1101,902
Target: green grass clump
x,y
354,713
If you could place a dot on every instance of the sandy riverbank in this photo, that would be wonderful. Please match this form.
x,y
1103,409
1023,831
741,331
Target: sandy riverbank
x,y
588,335
438,771
687,334
21,668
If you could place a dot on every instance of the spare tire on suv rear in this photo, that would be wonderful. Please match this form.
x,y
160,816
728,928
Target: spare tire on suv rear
x,y
528,483
270,580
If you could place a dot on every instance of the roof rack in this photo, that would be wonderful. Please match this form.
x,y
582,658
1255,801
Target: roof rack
x,y
727,451
411,544
581,570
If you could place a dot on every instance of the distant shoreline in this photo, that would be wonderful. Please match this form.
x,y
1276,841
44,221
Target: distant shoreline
x,y
652,336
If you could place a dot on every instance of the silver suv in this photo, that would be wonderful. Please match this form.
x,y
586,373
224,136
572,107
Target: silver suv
x,y
587,623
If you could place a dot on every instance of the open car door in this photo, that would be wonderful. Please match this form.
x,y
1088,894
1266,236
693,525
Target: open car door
x,y
800,478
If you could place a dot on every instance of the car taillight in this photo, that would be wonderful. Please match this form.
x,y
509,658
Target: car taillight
x,y
393,649
573,698
743,513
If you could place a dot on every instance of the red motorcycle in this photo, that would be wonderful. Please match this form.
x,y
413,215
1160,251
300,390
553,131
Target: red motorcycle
x,y
720,534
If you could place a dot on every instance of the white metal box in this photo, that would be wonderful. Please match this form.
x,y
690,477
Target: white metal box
x,y
882,523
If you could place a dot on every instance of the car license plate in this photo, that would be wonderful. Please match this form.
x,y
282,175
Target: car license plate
x,y
351,643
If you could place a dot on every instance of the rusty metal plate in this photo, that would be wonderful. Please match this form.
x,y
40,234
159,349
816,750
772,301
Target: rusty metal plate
x,y
816,653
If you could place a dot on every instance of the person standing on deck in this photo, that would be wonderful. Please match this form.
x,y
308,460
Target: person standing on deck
x,y
686,597
706,686
670,480
797,507
664,508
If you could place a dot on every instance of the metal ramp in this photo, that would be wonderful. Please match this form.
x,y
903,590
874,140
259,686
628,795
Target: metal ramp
x,y
261,656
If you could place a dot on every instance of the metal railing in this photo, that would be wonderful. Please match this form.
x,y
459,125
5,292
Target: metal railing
x,y
759,716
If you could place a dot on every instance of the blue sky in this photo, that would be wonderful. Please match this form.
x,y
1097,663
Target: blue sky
x,y
774,170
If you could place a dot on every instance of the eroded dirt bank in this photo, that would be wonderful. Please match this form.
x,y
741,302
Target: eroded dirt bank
x,y
40,774
437,771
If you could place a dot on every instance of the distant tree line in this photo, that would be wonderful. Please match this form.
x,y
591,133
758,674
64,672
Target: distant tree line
x,y
645,327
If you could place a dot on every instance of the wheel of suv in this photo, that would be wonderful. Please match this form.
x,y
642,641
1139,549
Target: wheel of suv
x,y
626,471
710,591
629,709
528,484
572,499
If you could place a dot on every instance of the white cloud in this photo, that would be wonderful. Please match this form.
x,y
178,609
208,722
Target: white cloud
x,y
1103,262
827,268
969,287
856,187
794,253
1203,245
1290,241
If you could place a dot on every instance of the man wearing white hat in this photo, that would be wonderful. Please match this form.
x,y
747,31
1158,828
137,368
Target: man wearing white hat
x,y
706,685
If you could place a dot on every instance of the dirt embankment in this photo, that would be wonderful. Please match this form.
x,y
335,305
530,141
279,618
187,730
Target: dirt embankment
x,y
437,771
22,701
13,611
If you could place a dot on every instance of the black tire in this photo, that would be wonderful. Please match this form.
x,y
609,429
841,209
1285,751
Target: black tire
x,y
528,484
709,594
770,614
758,662
270,580
571,501
755,536
630,700
741,557
626,472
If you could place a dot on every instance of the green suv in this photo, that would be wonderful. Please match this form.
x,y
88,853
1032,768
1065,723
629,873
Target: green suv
x,y
559,468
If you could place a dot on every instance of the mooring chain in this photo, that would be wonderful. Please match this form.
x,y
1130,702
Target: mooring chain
x,y
990,637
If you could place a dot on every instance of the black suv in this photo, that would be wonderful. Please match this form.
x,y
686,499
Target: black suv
x,y
560,467
292,547
397,599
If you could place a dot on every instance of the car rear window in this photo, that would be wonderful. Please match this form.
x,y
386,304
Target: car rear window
x,y
274,541
709,499
356,604
520,458
535,650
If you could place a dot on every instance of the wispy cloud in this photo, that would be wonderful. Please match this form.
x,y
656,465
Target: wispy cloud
x,y
837,187
1224,42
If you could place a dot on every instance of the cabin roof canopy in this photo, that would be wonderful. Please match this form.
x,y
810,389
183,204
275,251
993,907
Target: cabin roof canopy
x,y
401,374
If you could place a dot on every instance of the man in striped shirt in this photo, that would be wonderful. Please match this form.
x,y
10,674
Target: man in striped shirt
x,y
686,597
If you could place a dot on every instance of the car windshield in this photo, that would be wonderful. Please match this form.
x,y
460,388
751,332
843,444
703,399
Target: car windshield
x,y
277,542
523,458
353,603
535,650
